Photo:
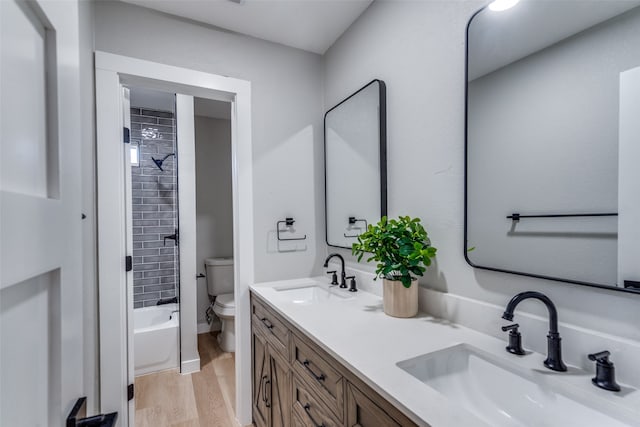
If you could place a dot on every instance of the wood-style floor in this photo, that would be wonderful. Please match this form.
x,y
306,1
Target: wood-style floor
x,y
201,399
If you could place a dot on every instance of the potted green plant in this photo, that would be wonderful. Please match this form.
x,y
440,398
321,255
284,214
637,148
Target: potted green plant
x,y
402,250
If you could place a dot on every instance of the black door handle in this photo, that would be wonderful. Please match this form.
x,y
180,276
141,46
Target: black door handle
x,y
77,417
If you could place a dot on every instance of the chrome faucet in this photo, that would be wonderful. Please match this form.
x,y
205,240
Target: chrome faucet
x,y
343,275
554,352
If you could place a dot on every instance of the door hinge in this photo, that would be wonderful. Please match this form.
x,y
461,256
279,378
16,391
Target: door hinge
x,y
126,135
128,263
130,392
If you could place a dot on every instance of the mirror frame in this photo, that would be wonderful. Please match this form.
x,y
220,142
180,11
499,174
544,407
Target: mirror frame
x,y
382,125
466,186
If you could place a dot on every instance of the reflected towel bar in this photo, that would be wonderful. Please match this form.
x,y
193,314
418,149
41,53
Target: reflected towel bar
x,y
518,217
352,221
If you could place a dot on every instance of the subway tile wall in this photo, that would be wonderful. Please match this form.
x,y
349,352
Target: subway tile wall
x,y
155,213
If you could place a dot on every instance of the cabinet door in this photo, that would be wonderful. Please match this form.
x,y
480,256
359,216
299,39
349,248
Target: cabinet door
x,y
363,412
280,391
274,329
260,368
296,421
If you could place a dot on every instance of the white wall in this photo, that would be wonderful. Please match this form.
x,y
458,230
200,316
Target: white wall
x,y
214,210
418,49
286,114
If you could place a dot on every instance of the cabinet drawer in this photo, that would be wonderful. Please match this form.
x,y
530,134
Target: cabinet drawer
x,y
368,409
308,408
317,372
271,326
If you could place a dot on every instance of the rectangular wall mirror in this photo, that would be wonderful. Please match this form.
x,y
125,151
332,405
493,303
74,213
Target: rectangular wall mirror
x,y
552,101
355,140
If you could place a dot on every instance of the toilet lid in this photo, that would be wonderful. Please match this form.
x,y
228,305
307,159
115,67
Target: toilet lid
x,y
225,300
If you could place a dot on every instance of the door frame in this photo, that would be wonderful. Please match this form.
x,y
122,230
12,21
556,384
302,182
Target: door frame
x,y
185,158
112,71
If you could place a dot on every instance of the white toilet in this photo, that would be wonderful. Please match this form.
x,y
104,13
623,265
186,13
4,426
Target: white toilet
x,y
220,286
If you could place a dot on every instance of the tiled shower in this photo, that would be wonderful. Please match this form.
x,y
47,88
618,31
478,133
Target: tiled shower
x,y
155,209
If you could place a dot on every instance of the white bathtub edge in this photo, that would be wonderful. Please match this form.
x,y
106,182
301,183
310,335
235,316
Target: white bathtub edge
x,y
155,344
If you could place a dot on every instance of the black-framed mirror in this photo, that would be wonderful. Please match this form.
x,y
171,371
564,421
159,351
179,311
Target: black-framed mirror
x,y
549,186
355,146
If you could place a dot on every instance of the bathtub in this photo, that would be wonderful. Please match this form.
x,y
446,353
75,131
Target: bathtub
x,y
155,338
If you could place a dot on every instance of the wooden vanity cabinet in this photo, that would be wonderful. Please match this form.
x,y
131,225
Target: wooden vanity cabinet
x,y
308,407
273,327
318,371
297,383
271,379
362,411
260,374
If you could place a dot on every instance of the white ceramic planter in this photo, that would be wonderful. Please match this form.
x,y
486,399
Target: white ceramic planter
x,y
399,301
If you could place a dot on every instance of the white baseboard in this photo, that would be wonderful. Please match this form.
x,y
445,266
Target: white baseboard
x,y
190,366
204,327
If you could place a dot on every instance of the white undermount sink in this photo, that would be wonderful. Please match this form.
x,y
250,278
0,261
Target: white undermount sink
x,y
500,395
310,292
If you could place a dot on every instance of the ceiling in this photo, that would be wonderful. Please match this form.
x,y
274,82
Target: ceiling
x,y
497,39
311,25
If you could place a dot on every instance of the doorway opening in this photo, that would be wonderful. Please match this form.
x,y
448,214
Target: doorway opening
x,y
209,392
214,219
117,284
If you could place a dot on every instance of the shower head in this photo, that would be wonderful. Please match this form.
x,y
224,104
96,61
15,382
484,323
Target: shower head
x,y
159,162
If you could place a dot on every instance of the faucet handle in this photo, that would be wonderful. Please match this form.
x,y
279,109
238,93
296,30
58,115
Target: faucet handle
x,y
600,357
352,283
513,327
334,277
515,340
605,371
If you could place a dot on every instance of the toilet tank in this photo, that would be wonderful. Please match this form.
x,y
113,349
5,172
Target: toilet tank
x,y
219,275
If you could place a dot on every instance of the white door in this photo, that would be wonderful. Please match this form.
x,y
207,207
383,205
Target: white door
x,y
126,120
41,351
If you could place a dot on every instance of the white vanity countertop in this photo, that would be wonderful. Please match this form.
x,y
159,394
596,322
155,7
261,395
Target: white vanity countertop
x,y
358,334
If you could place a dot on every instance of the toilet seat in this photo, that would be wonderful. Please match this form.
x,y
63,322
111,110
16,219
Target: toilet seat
x,y
225,306
226,301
